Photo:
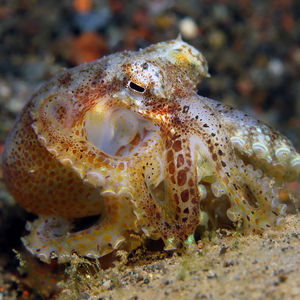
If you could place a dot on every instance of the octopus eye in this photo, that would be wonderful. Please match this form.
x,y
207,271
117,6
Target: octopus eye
x,y
118,132
135,87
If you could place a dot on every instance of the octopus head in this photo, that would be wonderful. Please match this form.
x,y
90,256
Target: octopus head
x,y
145,85
154,72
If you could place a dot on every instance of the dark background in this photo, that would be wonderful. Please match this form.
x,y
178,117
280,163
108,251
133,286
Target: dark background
x,y
252,47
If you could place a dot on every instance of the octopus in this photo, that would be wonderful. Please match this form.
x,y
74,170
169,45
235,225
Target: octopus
x,y
124,147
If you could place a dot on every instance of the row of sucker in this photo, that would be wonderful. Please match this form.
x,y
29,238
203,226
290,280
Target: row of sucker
x,y
257,205
51,237
257,143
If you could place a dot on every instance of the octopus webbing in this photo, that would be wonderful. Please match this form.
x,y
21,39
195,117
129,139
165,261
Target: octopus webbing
x,y
127,141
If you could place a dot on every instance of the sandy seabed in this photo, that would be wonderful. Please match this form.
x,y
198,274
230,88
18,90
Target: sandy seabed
x,y
230,266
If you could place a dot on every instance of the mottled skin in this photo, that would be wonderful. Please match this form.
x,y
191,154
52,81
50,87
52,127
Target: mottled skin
x,y
128,138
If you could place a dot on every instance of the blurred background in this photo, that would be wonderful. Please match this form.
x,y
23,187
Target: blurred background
x,y
252,48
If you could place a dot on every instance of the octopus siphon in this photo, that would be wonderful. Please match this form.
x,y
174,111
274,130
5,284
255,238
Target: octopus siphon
x,y
126,144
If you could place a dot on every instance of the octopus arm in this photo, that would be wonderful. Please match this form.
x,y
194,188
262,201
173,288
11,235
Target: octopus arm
x,y
55,237
258,144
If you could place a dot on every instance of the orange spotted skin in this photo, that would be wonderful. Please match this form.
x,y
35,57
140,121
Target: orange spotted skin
x,y
39,181
127,140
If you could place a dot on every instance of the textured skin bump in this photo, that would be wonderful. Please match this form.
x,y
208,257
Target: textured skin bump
x,y
126,139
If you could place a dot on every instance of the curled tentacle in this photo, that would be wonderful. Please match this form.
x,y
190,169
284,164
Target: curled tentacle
x,y
53,237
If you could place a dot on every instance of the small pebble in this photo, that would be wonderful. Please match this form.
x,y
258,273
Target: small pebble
x,y
5,90
200,295
276,67
228,263
217,39
188,28
83,296
211,275
223,250
237,277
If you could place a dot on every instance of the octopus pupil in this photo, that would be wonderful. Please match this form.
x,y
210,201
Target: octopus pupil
x,y
136,87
